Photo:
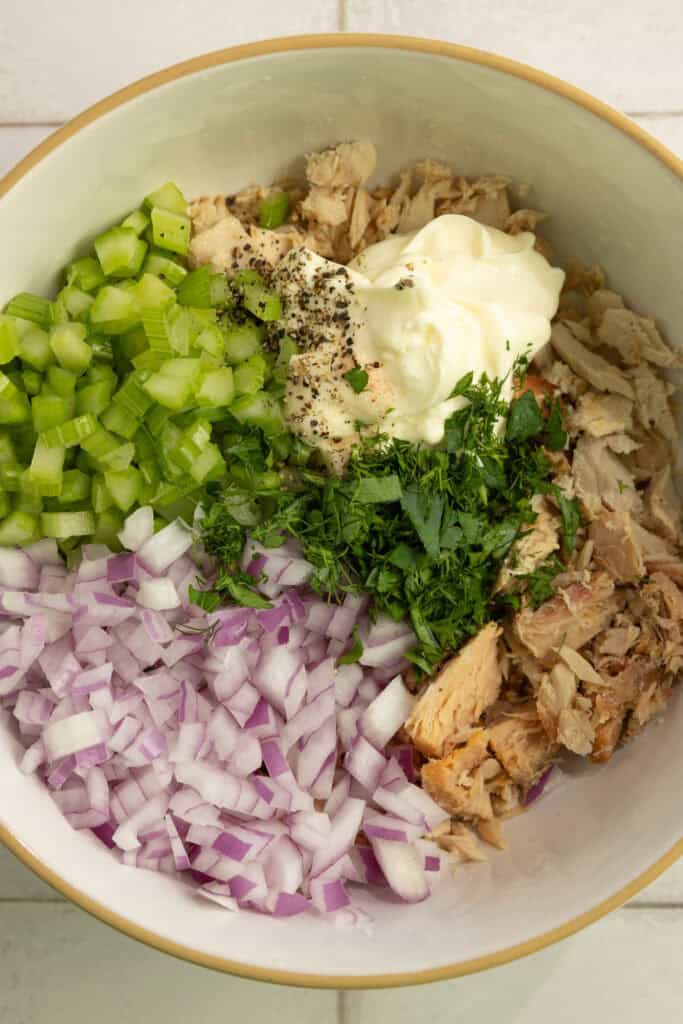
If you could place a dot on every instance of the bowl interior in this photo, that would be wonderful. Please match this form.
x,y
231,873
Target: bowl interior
x,y
612,201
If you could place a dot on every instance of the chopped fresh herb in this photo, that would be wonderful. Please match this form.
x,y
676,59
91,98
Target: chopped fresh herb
x,y
355,651
571,519
378,489
555,434
539,583
357,378
525,419
208,600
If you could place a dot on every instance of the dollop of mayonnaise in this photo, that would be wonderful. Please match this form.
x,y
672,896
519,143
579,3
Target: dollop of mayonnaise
x,y
416,313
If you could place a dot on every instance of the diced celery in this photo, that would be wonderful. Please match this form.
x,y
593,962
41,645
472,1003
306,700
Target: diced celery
x,y
62,525
217,387
100,496
32,382
10,385
259,410
152,293
46,468
124,486
119,421
171,391
256,297
182,368
4,505
34,348
101,348
131,396
120,252
59,314
97,372
24,438
30,307
10,476
49,411
148,360
68,343
168,197
137,220
76,302
242,341
274,210
15,409
107,528
85,273
155,325
170,230
100,443
208,465
9,339
94,398
7,453
71,432
18,528
250,375
131,344
75,487
115,310
155,421
164,266
118,458
204,288
61,381
212,341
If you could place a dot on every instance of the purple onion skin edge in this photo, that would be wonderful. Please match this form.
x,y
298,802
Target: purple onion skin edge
x,y
536,790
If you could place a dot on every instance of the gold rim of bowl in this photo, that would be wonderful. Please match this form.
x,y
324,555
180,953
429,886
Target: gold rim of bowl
x,y
260,49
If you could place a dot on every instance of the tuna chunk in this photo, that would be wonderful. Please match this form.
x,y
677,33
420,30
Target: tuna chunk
x,y
617,548
421,208
601,478
652,402
521,744
573,616
458,696
592,367
663,505
635,338
349,164
600,414
600,301
227,244
325,205
533,549
457,781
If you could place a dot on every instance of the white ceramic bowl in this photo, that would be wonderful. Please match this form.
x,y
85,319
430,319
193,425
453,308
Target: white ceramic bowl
x,y
616,195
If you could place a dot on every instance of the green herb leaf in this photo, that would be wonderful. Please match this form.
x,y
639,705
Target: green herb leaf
x,y
425,512
209,600
243,594
555,434
525,419
357,378
375,490
354,653
404,557
463,385
571,519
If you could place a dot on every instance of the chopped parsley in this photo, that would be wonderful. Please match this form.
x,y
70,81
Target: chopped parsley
x,y
354,653
357,378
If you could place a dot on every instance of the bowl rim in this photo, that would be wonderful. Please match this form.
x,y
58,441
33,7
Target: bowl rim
x,y
268,47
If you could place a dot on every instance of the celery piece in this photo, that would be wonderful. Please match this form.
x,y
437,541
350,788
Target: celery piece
x,y
9,339
164,266
4,505
124,486
118,458
61,381
204,288
100,495
137,220
120,421
71,432
217,387
212,341
85,274
32,382
131,396
155,421
100,443
10,476
115,310
107,529
131,344
76,302
97,372
274,210
170,230
18,528
259,410
62,525
183,328
151,293
59,314
75,487
24,438
155,326
46,468
30,307
209,465
68,343
49,411
93,398
148,360
263,303
242,341
8,387
15,409
250,375
101,348
7,453
182,368
169,390
120,252
34,349
168,197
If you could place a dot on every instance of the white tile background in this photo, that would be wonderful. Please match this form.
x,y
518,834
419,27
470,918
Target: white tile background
x,y
57,965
